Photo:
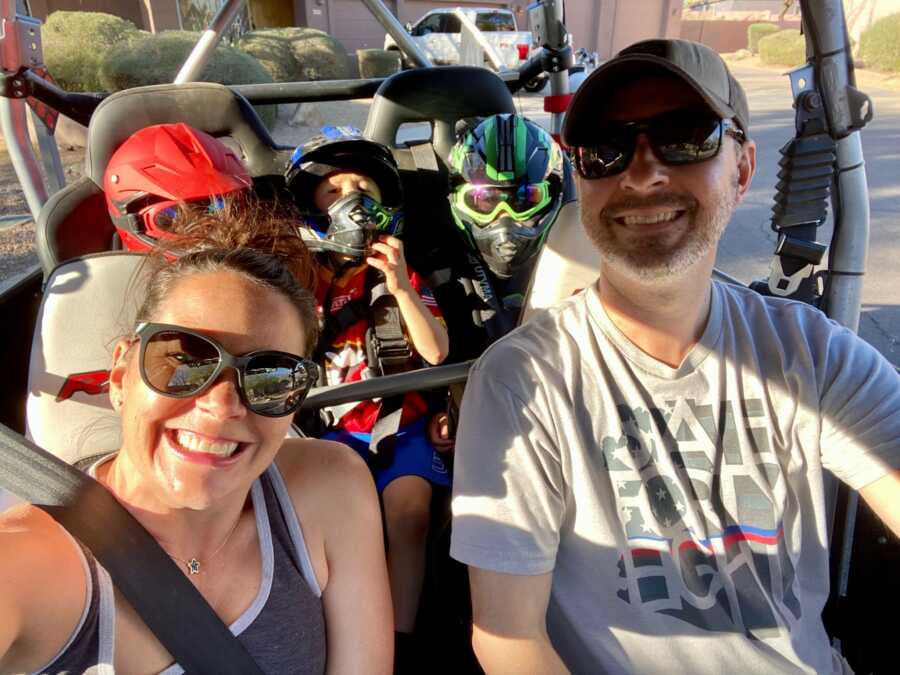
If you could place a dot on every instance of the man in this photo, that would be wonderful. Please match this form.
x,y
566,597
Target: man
x,y
638,481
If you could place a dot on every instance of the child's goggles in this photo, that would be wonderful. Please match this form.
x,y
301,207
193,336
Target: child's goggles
x,y
483,203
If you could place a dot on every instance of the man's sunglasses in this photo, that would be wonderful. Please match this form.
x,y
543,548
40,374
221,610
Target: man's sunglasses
x,y
676,138
179,363
483,203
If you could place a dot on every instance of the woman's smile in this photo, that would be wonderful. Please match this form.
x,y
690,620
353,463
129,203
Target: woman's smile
x,y
198,448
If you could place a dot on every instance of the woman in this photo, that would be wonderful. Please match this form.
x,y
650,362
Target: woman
x,y
250,517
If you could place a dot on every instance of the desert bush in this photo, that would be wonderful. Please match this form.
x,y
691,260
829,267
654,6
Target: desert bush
x,y
76,43
757,31
318,55
273,52
156,59
378,62
785,48
879,46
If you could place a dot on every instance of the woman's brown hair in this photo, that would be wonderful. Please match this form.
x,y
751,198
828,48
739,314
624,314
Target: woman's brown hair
x,y
255,238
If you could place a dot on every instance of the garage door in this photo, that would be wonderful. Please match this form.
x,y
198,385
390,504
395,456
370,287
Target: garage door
x,y
354,26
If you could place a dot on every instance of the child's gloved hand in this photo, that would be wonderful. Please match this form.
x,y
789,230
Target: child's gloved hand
x,y
439,432
387,256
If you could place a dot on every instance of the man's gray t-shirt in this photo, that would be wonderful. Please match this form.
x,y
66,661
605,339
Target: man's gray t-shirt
x,y
681,511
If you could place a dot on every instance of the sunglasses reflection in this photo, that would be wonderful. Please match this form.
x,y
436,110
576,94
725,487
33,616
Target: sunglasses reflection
x,y
179,364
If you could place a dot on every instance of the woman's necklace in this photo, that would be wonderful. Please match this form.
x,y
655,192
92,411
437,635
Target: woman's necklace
x,y
193,565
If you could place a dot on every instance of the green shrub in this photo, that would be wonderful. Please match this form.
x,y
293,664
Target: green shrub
x,y
879,46
757,31
156,59
75,44
378,62
318,55
273,52
785,48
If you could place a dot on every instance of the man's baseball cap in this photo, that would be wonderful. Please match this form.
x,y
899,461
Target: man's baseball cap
x,y
696,64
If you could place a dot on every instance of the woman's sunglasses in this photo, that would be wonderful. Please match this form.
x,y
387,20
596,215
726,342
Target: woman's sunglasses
x,y
676,138
180,363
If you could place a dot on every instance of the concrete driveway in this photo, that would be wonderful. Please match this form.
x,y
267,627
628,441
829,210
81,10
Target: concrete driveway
x,y
747,247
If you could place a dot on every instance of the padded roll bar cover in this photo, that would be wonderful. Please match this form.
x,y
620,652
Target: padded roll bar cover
x,y
72,223
206,106
440,95
86,307
568,262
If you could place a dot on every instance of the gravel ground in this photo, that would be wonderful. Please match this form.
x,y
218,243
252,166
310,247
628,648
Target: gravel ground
x,y
17,252
17,242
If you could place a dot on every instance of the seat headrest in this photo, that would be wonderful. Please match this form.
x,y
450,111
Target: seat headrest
x,y
88,304
567,263
73,222
206,106
440,95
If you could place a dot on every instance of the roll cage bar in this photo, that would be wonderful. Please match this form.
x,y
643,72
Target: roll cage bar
x,y
824,162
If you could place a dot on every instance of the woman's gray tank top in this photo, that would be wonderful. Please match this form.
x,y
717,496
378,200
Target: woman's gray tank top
x,y
284,627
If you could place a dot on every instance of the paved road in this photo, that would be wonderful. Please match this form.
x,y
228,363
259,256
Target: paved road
x,y
747,247
748,244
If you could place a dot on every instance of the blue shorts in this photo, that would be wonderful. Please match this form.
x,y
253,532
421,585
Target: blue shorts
x,y
414,455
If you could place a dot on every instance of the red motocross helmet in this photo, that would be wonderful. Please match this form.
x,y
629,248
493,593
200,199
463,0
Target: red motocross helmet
x,y
158,168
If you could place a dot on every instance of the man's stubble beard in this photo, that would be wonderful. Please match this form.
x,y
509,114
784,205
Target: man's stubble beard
x,y
657,257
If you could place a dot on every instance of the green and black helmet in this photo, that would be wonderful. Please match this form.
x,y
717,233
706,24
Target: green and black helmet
x,y
507,175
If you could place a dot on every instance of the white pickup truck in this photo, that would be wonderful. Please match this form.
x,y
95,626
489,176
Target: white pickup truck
x,y
438,34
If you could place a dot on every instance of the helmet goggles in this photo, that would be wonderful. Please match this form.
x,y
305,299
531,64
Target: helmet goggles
x,y
160,216
483,203
156,219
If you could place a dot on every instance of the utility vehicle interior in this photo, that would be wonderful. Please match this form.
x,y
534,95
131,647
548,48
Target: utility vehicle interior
x,y
60,318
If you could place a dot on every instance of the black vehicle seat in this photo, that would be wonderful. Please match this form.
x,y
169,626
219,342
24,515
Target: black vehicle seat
x,y
86,307
440,97
75,221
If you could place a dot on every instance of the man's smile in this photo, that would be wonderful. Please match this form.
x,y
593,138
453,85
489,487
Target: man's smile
x,y
649,218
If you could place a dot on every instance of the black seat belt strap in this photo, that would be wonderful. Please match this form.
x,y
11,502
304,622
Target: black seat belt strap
x,y
169,604
801,203
389,352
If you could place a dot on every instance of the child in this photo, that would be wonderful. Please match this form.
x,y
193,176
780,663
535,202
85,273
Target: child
x,y
349,187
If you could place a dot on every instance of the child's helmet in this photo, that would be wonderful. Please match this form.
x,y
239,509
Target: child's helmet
x,y
507,175
160,167
341,149
351,223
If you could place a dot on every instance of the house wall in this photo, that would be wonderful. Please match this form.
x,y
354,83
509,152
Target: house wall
x,y
774,6
727,35
620,23
271,13
583,22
